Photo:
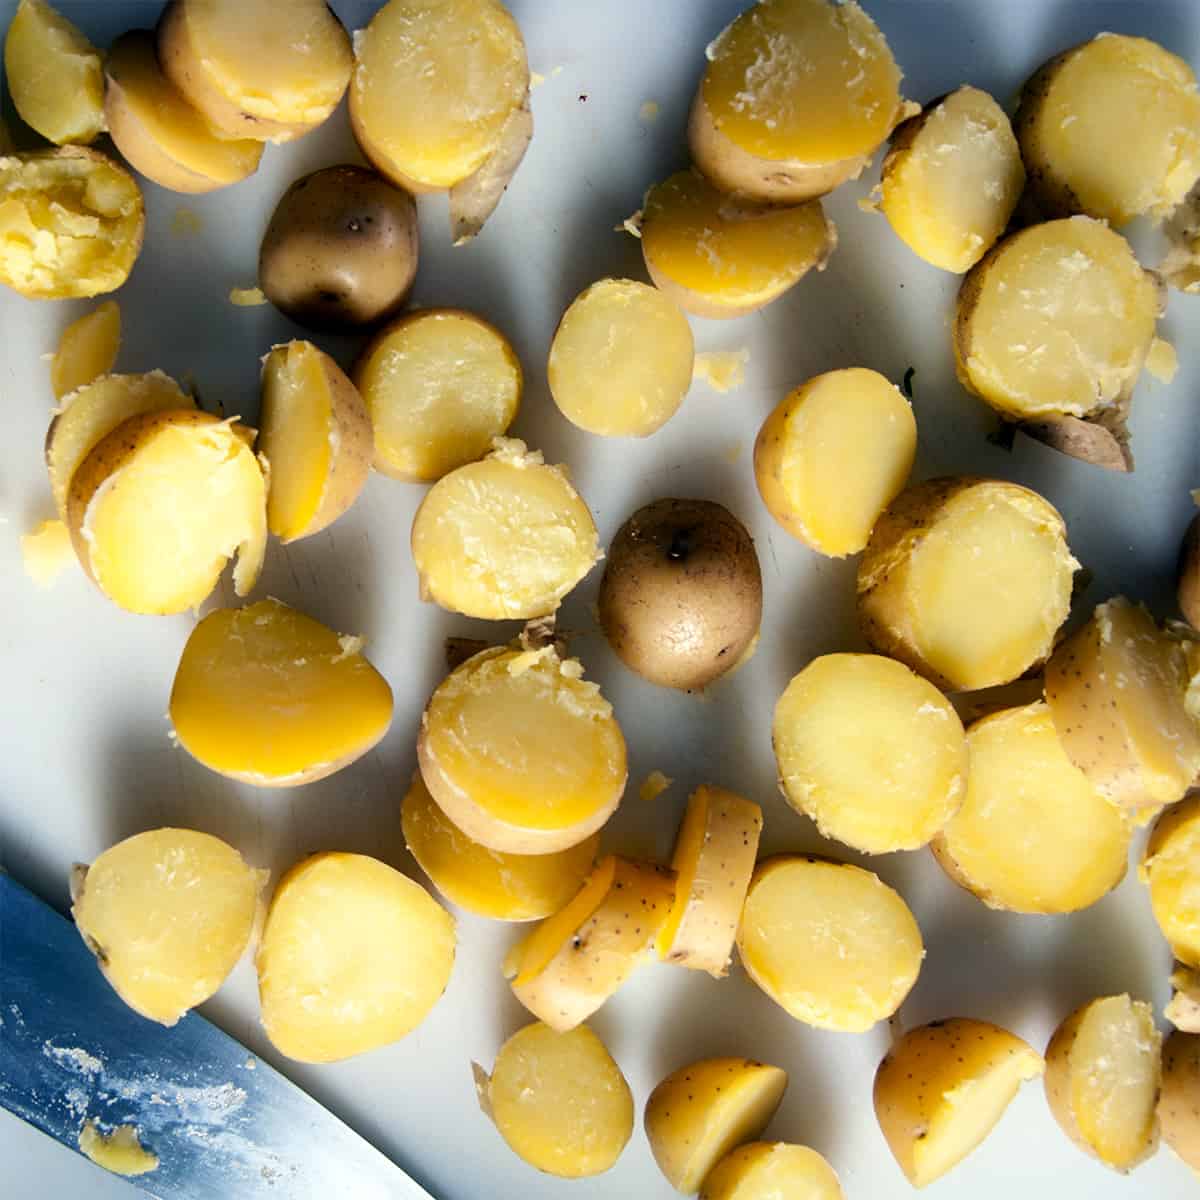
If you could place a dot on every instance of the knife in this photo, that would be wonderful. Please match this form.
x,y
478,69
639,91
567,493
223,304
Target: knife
x,y
221,1122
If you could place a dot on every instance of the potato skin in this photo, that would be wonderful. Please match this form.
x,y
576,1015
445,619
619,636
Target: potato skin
x,y
1051,195
1179,1101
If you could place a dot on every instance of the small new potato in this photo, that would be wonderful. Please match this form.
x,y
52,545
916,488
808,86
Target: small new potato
x,y
772,1169
86,350
1178,1115
1170,869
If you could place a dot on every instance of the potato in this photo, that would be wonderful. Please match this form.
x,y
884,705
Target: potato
x,y
681,597
1187,579
559,1100
1103,1069
167,914
522,753
796,97
952,179
1117,690
621,360
1177,1112
717,257
341,250
46,552
1170,868
316,438
440,385
504,887
251,72
118,1151
71,224
567,967
830,943
1111,128
873,753
191,497
270,697
833,454
54,74
159,133
1183,1010
943,1087
1008,845
763,1169
713,863
702,1111
353,956
967,581
87,349
503,539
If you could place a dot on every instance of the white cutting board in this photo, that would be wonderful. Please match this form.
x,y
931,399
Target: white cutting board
x,y
83,687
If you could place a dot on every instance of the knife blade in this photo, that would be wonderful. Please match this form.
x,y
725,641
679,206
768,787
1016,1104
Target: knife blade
x,y
221,1122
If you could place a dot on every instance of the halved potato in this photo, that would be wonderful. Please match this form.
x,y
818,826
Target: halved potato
x,y
1178,1115
87,349
1171,870
760,1170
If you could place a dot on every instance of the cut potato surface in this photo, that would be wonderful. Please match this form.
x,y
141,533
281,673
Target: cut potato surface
x,y
268,696
713,863
1183,1010
830,943
952,179
761,1170
833,455
87,349
504,887
1056,321
353,956
1103,1069
1033,834
872,752
167,914
942,1089
502,539
522,753
1177,1110
719,257
967,581
702,1111
560,1101
440,386
621,360
1171,869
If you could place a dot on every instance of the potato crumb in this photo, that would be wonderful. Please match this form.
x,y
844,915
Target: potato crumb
x,y
631,225
185,223
47,552
1162,361
119,1152
536,79
649,111
654,785
722,370
530,658
251,297
350,645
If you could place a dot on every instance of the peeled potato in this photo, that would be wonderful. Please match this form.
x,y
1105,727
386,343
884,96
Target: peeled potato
x,y
1177,1110
1171,870
167,914
764,1169
87,349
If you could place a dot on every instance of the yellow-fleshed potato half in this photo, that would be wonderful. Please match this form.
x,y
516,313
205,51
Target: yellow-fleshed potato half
x,y
713,863
1111,128
796,98
942,1089
559,1100
952,179
316,438
702,1111
253,72
1033,834
966,580
719,257
87,349
521,752
621,360
872,752
268,696
159,133
830,943
71,224
504,887
833,454
191,496
503,539
167,914
1056,320
1171,870
54,75
567,967
1117,691
763,1169
1103,1070
1178,1117
1183,1009
440,386
353,956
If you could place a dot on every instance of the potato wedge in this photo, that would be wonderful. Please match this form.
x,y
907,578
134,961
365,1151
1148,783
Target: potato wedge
x,y
1177,1113
87,349
1170,868
761,1169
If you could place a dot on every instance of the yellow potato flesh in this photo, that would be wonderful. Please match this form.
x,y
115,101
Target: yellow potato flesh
x,y
1172,871
353,956
873,753
439,386
560,1101
504,887
772,1169
47,552
950,191
830,943
434,83
87,349
119,1151
168,914
1014,848
621,360
1177,1110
